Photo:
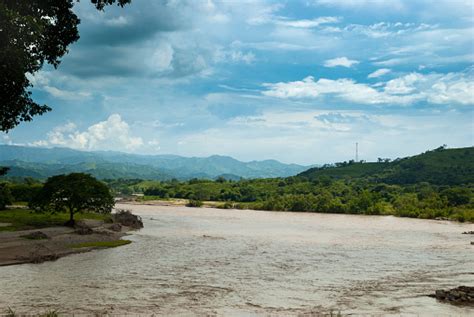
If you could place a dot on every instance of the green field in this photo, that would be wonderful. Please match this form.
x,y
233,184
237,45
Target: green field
x,y
24,219
101,244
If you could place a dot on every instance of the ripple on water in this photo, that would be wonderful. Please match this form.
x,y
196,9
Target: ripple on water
x,y
234,262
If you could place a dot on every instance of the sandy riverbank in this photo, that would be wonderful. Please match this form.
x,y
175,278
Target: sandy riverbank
x,y
169,202
16,249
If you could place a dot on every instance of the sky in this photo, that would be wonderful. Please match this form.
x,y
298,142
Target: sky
x,y
296,81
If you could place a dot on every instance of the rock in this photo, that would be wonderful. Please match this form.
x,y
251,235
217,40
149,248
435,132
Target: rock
x,y
115,227
458,295
37,235
126,218
468,232
82,228
84,231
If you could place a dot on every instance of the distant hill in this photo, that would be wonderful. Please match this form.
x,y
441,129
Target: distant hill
x,y
441,166
44,162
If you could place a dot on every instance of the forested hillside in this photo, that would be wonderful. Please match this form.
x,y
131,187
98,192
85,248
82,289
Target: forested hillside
x,y
440,166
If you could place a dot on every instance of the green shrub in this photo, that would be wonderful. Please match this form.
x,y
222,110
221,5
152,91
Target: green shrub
x,y
194,203
5,196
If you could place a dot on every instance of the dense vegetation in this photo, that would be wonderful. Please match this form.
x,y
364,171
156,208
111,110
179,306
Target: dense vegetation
x,y
437,183
440,166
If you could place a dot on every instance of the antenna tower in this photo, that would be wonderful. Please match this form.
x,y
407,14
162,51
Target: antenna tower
x,y
357,152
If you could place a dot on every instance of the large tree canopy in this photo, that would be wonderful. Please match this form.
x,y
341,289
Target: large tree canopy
x,y
32,32
75,192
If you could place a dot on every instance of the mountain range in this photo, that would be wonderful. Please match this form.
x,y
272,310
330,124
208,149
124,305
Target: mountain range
x,y
41,163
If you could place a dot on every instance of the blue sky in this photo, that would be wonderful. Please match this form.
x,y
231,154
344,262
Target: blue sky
x,y
297,81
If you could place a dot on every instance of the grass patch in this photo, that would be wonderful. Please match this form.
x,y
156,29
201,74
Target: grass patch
x,y
148,198
101,244
24,219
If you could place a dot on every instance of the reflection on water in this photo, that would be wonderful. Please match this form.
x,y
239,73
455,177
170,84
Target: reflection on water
x,y
240,263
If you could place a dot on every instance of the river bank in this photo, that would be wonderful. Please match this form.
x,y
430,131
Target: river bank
x,y
49,243
176,202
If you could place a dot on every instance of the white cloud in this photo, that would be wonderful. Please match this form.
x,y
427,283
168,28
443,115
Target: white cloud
x,y
305,23
340,61
404,85
119,21
40,143
432,88
344,88
42,80
66,94
352,4
453,88
112,134
379,72
162,58
234,56
386,29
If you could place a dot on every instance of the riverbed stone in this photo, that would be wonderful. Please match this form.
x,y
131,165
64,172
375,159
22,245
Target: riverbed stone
x,y
126,218
458,295
36,235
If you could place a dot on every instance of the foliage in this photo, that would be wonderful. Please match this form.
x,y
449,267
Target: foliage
x,y
359,196
101,244
24,192
74,193
194,203
6,197
32,32
4,170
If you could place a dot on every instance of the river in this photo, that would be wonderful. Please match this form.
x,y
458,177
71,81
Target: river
x,y
203,261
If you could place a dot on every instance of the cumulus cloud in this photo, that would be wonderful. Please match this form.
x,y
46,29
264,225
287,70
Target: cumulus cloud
x,y
111,134
408,89
340,61
379,73
345,88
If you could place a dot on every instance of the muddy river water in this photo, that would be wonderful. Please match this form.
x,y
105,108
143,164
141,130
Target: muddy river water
x,y
202,261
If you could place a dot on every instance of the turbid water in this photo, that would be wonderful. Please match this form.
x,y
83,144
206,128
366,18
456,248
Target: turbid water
x,y
238,263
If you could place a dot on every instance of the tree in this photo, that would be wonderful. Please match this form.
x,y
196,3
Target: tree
x,y
457,196
76,192
5,196
32,32
4,170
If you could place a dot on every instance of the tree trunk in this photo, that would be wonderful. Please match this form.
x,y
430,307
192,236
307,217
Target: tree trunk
x,y
70,222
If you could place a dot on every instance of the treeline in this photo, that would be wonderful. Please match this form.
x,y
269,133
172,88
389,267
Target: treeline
x,y
19,191
421,200
324,194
